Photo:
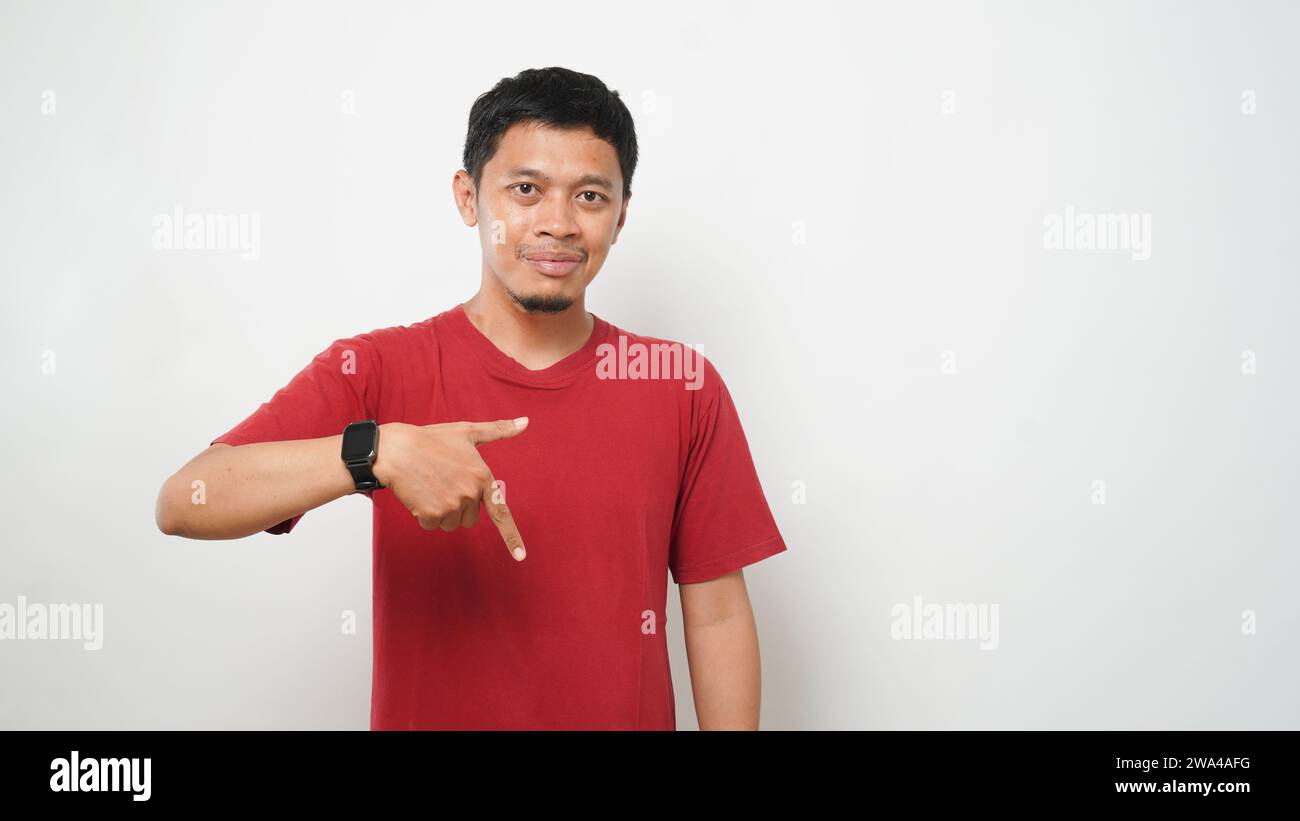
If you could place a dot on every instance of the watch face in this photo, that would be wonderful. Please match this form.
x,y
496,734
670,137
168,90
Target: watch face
x,y
358,442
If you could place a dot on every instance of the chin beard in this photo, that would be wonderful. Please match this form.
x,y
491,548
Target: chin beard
x,y
541,303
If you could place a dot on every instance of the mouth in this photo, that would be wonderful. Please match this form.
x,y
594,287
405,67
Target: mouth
x,y
553,264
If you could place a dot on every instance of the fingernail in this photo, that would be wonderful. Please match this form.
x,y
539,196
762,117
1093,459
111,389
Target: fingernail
x,y
519,554
521,421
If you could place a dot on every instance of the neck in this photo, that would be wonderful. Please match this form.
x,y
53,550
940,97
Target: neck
x,y
535,340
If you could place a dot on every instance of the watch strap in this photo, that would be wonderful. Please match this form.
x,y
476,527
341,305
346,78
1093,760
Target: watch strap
x,y
363,476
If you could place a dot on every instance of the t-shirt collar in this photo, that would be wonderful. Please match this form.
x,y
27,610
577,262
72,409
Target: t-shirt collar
x,y
458,323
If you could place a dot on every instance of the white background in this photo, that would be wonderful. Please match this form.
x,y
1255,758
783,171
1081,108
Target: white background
x,y
924,235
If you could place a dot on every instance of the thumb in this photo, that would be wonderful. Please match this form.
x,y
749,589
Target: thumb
x,y
480,432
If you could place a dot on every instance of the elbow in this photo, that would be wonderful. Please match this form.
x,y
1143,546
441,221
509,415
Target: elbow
x,y
168,527
165,515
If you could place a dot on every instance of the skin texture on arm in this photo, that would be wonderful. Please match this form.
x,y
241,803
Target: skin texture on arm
x,y
249,488
722,650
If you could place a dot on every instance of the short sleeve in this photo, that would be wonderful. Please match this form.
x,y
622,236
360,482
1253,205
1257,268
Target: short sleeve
x,y
722,522
339,386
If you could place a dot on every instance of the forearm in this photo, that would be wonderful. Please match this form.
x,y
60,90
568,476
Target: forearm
x,y
249,488
725,672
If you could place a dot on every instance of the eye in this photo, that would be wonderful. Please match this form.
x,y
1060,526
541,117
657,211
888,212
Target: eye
x,y
521,185
597,193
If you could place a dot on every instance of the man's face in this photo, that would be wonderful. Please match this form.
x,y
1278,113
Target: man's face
x,y
549,206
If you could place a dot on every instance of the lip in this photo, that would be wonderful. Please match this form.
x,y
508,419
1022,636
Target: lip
x,y
554,267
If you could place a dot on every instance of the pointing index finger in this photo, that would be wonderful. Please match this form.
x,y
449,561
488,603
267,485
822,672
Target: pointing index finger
x,y
480,432
504,521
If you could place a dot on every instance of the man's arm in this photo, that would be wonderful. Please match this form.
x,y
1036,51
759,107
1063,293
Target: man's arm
x,y
249,488
434,470
722,650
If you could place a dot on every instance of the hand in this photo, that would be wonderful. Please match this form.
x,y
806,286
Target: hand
x,y
437,473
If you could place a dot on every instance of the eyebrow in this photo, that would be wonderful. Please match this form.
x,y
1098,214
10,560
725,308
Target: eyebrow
x,y
585,179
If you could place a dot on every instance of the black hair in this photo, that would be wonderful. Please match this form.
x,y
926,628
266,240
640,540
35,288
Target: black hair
x,y
555,97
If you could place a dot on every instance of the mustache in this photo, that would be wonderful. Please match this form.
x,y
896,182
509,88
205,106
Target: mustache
x,y
528,249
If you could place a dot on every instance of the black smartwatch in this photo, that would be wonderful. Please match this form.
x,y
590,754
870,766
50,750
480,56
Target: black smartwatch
x,y
360,447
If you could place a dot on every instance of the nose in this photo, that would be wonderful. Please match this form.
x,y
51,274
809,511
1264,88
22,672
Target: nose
x,y
555,217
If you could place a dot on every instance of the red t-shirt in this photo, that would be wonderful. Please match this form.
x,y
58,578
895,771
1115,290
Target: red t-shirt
x,y
614,483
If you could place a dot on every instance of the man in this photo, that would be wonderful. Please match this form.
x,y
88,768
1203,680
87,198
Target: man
x,y
601,467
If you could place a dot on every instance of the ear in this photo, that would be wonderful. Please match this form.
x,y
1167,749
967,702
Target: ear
x,y
465,196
